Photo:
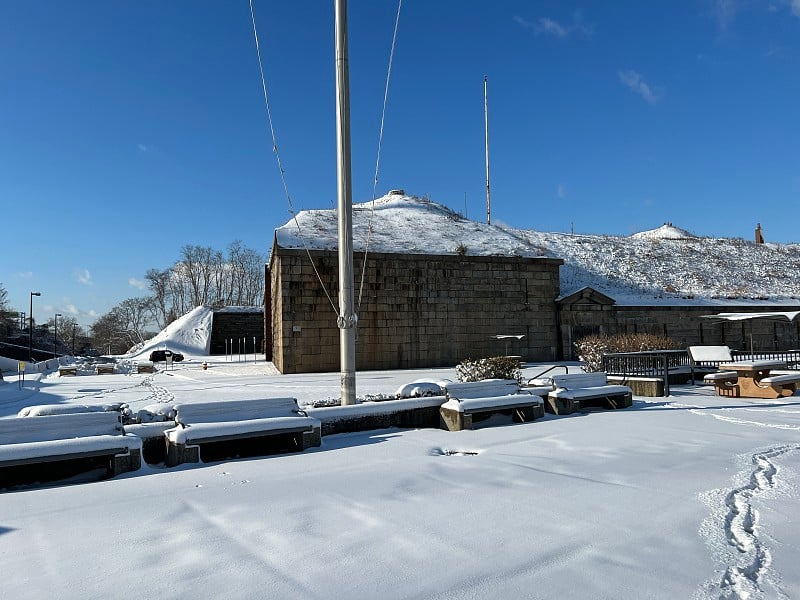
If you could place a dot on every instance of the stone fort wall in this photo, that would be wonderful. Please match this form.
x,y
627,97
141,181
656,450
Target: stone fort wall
x,y
415,310
681,323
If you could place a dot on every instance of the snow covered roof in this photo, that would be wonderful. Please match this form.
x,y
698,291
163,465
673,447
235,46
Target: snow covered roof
x,y
403,224
238,309
667,265
666,232
774,316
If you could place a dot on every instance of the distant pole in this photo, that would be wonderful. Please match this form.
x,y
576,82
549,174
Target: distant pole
x,y
254,350
30,327
55,334
74,325
486,119
347,316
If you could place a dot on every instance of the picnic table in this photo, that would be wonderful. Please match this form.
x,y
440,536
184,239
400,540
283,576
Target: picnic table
x,y
754,379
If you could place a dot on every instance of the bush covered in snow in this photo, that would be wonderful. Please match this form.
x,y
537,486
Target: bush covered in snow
x,y
591,349
497,367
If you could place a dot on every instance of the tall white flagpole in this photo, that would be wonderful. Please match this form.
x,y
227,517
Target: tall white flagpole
x,y
347,317
486,120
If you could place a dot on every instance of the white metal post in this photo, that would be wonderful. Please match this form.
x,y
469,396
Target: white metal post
x,y
347,316
486,120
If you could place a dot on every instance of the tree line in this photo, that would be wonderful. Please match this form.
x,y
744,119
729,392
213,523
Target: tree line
x,y
202,276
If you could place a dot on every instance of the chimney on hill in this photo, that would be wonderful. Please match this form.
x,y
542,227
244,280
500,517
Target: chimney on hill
x,y
759,235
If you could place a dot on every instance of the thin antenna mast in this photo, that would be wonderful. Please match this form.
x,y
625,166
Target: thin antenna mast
x,y
486,119
347,316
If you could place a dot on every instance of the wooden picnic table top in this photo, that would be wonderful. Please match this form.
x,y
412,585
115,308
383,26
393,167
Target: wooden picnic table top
x,y
753,365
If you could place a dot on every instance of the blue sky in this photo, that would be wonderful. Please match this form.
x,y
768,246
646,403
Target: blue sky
x,y
130,129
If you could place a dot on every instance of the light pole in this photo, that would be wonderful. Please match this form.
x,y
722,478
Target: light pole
x,y
30,327
55,334
74,325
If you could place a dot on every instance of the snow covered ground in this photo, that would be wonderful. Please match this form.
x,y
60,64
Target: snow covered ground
x,y
691,496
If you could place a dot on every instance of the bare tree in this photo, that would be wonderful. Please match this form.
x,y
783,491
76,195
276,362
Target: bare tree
x,y
197,265
104,334
206,277
247,275
158,281
132,314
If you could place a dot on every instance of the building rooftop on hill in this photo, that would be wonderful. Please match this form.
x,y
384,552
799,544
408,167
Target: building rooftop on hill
x,y
666,265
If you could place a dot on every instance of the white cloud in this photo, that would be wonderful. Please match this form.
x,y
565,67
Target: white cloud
x,y
548,26
551,27
84,277
725,11
142,147
794,6
71,309
636,83
137,283
562,190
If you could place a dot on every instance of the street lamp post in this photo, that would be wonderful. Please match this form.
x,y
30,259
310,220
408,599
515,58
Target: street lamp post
x,y
74,325
30,327
55,334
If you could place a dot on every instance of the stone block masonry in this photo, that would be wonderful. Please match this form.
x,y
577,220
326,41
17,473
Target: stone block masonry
x,y
415,310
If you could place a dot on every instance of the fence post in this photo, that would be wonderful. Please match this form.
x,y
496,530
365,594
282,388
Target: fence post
x,y
665,366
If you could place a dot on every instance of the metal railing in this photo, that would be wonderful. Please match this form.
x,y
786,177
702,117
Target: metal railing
x,y
653,363
790,357
659,363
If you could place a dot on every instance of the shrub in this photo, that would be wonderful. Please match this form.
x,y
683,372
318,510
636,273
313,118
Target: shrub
x,y
591,348
497,367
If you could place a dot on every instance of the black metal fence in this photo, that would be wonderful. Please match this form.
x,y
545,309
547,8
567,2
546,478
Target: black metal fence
x,y
656,364
660,363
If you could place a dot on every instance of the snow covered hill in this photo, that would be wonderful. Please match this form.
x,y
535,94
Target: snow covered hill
x,y
189,335
668,264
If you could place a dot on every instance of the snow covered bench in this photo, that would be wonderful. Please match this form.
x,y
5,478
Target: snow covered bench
x,y
576,391
722,381
87,438
145,367
63,409
783,384
67,370
239,428
104,368
475,401
707,359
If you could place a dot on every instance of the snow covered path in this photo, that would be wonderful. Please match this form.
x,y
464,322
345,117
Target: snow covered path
x,y
689,497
